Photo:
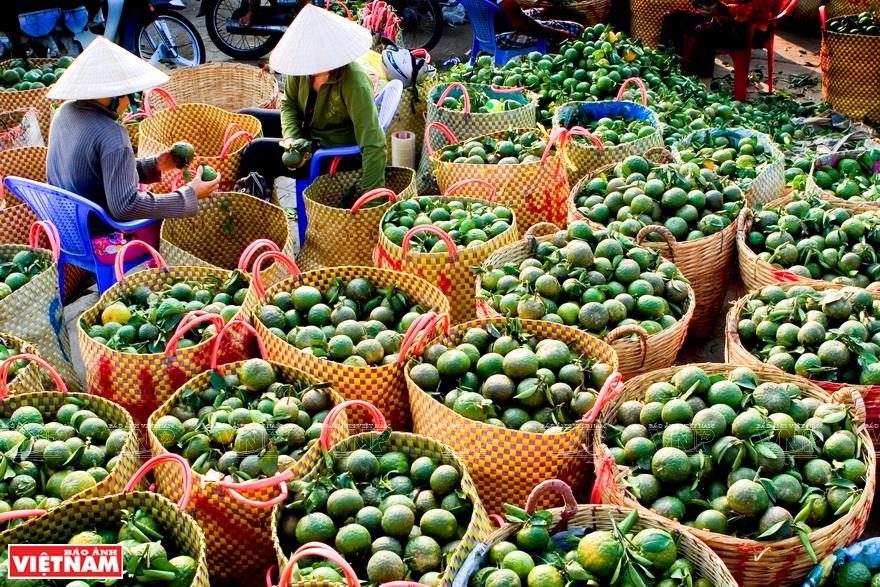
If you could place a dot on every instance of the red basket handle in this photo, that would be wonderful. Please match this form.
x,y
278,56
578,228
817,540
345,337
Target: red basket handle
x,y
562,488
189,322
257,279
373,195
119,262
227,144
269,572
134,117
326,552
580,131
412,333
422,53
786,276
215,351
557,137
375,414
444,130
155,462
823,16
244,261
464,93
642,89
51,234
499,521
439,323
281,479
19,514
444,236
468,181
7,364
612,388
148,99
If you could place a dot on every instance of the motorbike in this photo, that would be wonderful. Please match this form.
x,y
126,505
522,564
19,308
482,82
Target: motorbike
x,y
249,29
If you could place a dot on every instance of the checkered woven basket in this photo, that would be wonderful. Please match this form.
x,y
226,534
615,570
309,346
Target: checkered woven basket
x,y
637,351
574,520
224,228
453,274
506,464
142,382
832,159
219,139
414,446
587,12
646,18
29,378
769,183
63,522
536,192
239,540
328,220
849,82
229,86
19,128
382,385
116,417
36,99
16,217
752,563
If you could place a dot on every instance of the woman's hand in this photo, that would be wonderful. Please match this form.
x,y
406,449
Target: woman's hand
x,y
166,162
305,160
201,187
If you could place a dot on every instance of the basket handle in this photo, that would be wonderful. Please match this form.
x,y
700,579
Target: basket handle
x,y
280,480
786,276
469,181
247,255
20,514
422,53
503,90
412,333
664,232
7,364
215,351
286,578
823,16
119,262
269,572
622,331
158,460
851,396
558,138
439,323
227,144
373,195
444,130
464,92
419,331
148,100
375,414
330,3
444,236
604,476
51,233
499,521
541,227
563,489
579,131
611,389
134,117
257,279
190,321
642,89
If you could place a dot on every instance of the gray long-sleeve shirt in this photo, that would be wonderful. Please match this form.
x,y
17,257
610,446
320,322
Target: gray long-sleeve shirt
x,y
90,155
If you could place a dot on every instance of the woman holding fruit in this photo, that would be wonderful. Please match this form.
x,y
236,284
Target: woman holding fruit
x,y
90,153
327,100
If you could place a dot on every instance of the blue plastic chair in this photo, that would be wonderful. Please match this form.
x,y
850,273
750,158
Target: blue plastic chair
x,y
481,14
388,101
70,214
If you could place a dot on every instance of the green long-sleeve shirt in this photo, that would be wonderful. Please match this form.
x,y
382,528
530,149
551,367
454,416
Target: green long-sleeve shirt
x,y
344,114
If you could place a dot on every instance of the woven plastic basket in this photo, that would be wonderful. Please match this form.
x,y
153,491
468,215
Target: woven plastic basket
x,y
36,99
849,84
227,85
832,159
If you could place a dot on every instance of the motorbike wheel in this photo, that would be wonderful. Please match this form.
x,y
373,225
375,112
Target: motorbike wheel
x,y
170,39
422,23
217,14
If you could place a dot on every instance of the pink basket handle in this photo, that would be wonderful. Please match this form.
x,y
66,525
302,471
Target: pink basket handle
x,y
439,323
7,364
604,472
444,236
823,16
373,195
562,488
257,279
375,414
642,89
412,333
244,261
280,480
215,351
558,138
444,130
612,388
51,234
326,552
148,100
464,93
155,462
227,144
135,116
119,262
579,131
499,521
189,322
20,514
270,582
469,181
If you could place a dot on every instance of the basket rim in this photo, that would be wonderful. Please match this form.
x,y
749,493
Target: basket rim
x,y
335,209
531,102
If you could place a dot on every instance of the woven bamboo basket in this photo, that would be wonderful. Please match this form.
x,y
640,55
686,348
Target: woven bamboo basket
x,y
227,85
637,351
575,520
753,563
16,217
414,446
735,352
646,18
832,159
588,12
484,448
849,84
28,378
37,99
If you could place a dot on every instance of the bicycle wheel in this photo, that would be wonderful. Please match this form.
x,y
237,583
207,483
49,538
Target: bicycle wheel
x,y
421,23
170,40
221,12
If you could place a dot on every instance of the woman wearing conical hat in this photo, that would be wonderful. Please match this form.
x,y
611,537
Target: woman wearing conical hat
x,y
327,98
89,151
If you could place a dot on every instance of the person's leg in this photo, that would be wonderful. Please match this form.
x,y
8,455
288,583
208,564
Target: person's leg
x,y
677,29
264,157
269,118
707,38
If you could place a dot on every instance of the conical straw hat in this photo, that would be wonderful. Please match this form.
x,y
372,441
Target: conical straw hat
x,y
105,70
317,41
